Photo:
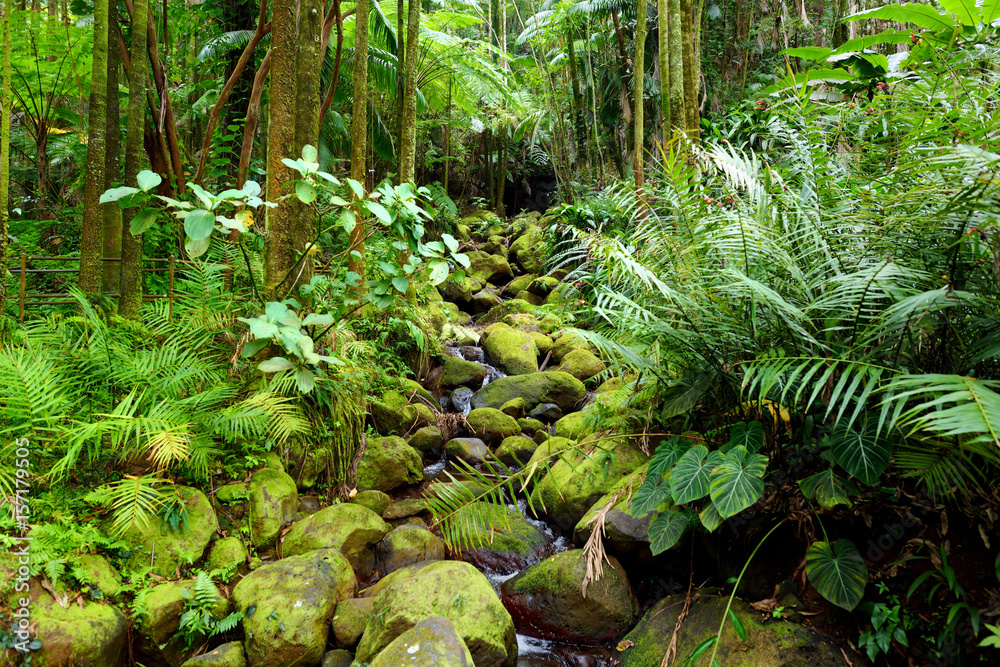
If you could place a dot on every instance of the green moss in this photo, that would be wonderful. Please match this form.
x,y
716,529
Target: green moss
x,y
530,250
433,642
530,426
273,500
581,364
461,373
566,342
226,551
100,575
175,549
91,634
555,387
499,530
516,450
520,283
491,425
349,621
574,426
542,342
232,493
389,463
224,655
351,528
512,350
374,500
514,408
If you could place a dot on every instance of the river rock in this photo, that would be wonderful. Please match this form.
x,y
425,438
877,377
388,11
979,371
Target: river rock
x,y
348,527
505,542
406,545
461,373
515,450
772,643
546,412
514,408
489,268
581,364
530,426
169,548
235,492
103,580
462,290
433,642
491,425
529,250
223,655
519,283
470,450
161,617
338,658
528,297
91,634
567,341
306,463
543,285
389,463
547,600
293,600
542,342
428,441
451,589
225,552
376,501
574,426
349,620
404,508
511,350
624,534
485,299
535,388
397,414
273,500
460,399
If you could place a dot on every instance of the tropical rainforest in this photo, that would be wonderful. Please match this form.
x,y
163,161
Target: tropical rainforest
x,y
528,333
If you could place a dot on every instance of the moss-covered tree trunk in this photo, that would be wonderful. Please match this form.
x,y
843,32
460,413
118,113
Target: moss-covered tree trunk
x,y
678,115
5,101
663,34
112,215
307,81
91,245
407,152
691,83
400,73
578,121
638,114
359,139
130,281
279,253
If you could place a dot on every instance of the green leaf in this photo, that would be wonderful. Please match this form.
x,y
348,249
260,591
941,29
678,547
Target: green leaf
x,y
649,495
262,329
305,379
991,11
316,319
808,52
811,76
861,453
737,483
198,224
749,435
348,220
838,573
305,191
700,649
147,180
203,195
143,221
197,248
964,10
309,153
401,284
710,517
737,625
828,489
379,211
450,241
439,272
461,258
114,194
923,16
666,455
666,530
689,479
356,188
252,347
275,365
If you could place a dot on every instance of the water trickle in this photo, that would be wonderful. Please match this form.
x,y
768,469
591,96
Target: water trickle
x,y
432,470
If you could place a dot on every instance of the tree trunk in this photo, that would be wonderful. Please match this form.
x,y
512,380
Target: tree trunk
x,y
130,281
663,30
305,216
407,152
279,253
112,215
690,82
578,122
678,115
91,245
359,137
637,84
400,85
5,101
253,112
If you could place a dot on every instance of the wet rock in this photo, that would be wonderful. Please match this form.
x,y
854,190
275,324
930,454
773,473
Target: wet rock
x,y
389,463
349,620
451,589
89,635
547,601
433,642
224,655
772,643
485,299
513,408
428,441
624,534
541,436
542,342
515,450
530,425
350,528
104,580
492,425
173,547
461,373
529,250
407,545
161,618
470,450
225,552
548,412
461,399
273,501
293,600
489,268
407,507
397,414
566,342
535,388
505,542
376,501
581,364
511,350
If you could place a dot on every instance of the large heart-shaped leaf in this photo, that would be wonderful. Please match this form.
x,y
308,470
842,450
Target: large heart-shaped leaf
x,y
305,191
379,211
400,283
198,224
862,453
196,248
147,180
666,530
275,365
710,517
736,484
114,194
828,489
666,455
653,492
689,479
439,272
838,572
749,434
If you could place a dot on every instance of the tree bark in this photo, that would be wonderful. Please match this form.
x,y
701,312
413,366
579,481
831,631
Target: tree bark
x,y
130,281
678,115
407,152
663,30
578,122
328,100
359,138
690,82
637,85
90,238
112,215
253,113
5,102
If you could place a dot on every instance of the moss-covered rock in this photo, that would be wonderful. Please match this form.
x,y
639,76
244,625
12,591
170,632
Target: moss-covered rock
x,y
775,642
547,387
566,342
461,373
491,425
397,414
374,500
511,350
580,477
459,334
433,642
575,425
520,283
582,364
294,599
515,450
104,580
428,441
486,268
415,392
273,500
463,232
543,285
235,492
470,450
306,463
484,300
522,321
407,545
514,407
90,635
528,297
161,618
548,412
349,621
173,548
449,589
547,455
530,250
389,463
403,508
349,527
542,342
225,655
547,600
462,290
624,534
505,542
530,426
225,552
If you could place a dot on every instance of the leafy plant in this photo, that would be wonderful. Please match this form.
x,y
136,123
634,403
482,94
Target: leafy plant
x,y
889,623
198,621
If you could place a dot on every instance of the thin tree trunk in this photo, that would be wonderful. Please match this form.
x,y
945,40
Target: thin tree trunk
x,y
408,148
690,83
130,281
336,62
359,149
5,102
307,80
663,30
253,113
112,215
400,84
577,108
637,85
167,119
678,115
90,237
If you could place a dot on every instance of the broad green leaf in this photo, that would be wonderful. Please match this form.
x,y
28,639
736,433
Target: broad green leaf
x,y
305,191
808,52
439,272
275,365
143,221
710,517
863,453
379,211
828,489
811,76
262,329
309,153
206,199
749,434
252,347
666,530
348,220
274,311
964,10
400,283
197,248
463,259
734,618
837,572
147,180
737,483
198,224
991,11
318,319
450,241
251,188
650,495
690,477
356,188
922,16
114,194
666,455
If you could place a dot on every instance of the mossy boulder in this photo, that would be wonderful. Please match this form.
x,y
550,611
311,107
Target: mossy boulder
x,y
88,635
230,654
349,621
581,476
491,425
273,501
528,297
449,589
548,601
462,290
530,249
173,547
514,407
516,450
396,413
374,500
542,342
433,642
486,268
348,527
624,534
511,350
404,508
463,232
162,608
235,492
428,441
520,283
294,599
530,425
485,299
461,373
768,642
470,450
566,342
548,412
575,425
406,545
582,364
505,542
547,387
547,455
389,463
522,321
104,580
543,285
225,552
307,463
495,246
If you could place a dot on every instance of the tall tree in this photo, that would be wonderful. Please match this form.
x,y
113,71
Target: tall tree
x,y
130,280
111,216
663,34
637,85
91,245
691,83
407,151
359,138
5,101
678,117
307,81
